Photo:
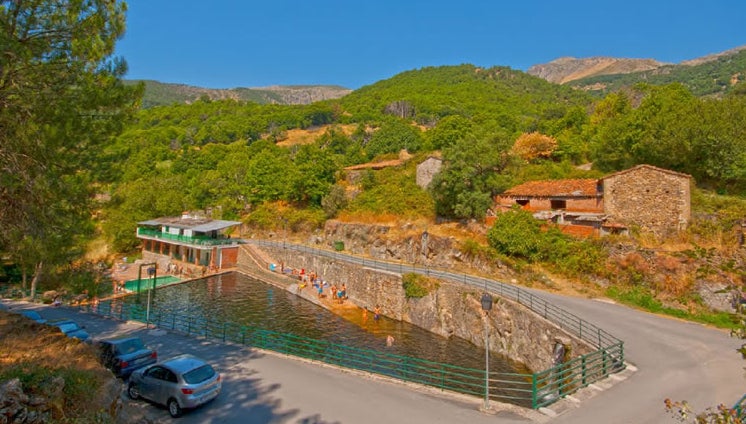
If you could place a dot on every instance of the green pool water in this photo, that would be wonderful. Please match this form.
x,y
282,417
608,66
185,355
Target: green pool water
x,y
148,282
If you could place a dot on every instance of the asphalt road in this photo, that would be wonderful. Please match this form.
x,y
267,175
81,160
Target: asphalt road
x,y
262,387
670,358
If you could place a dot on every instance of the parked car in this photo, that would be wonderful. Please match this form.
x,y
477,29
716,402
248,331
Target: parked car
x,y
70,328
740,408
122,355
182,382
34,316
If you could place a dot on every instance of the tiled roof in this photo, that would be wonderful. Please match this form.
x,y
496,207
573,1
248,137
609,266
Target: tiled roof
x,y
555,188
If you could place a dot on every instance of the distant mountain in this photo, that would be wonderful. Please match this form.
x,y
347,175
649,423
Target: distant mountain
x,y
567,69
158,93
710,75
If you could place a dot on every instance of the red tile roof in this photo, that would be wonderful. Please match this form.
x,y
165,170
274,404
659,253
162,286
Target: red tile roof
x,y
555,188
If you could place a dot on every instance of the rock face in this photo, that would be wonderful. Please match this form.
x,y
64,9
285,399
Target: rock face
x,y
567,69
450,310
18,407
417,247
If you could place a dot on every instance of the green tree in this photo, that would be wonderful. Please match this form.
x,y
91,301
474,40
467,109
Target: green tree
x,y
470,177
61,98
393,136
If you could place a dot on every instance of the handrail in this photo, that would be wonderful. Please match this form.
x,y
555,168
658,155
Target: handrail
x,y
567,321
530,390
608,347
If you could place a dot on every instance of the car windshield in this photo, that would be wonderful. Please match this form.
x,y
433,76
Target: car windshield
x,y
68,327
199,375
129,346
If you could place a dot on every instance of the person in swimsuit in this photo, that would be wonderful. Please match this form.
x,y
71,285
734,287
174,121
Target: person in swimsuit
x,y
377,313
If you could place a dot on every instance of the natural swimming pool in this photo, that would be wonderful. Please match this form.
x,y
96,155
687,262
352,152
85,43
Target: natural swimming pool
x,y
245,301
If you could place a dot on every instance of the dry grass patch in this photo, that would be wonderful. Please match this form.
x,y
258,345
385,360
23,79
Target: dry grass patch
x,y
62,374
298,136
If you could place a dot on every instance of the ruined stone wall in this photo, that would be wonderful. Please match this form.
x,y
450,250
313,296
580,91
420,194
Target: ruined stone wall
x,y
656,200
451,310
427,170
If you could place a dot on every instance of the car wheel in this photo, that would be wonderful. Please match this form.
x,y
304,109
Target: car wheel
x,y
133,391
173,408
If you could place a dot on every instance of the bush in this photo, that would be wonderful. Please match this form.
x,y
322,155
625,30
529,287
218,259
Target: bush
x,y
516,233
417,286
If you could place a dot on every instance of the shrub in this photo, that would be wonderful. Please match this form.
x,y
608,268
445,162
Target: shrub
x,y
417,286
516,233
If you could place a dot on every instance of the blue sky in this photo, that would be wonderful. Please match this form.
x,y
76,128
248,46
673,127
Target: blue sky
x,y
249,43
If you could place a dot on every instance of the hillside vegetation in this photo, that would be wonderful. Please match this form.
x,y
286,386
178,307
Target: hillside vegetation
x,y
283,166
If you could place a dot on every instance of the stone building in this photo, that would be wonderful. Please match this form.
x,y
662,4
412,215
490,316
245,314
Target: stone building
x,y
427,169
655,199
651,198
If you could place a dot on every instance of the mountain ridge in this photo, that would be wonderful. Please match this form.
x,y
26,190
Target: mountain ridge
x,y
568,69
160,93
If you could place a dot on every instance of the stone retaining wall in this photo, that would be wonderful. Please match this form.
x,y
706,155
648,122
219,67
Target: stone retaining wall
x,y
451,310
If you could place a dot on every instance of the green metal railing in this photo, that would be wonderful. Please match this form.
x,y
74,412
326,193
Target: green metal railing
x,y
194,240
548,385
515,388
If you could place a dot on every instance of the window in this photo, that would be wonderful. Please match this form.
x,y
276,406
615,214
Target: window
x,y
558,204
522,202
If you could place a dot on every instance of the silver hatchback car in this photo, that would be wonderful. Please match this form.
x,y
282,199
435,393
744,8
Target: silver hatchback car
x,y
182,382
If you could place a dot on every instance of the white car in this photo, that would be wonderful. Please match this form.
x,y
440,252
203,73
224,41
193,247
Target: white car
x,y
182,382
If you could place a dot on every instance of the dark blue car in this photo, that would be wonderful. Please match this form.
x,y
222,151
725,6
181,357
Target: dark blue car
x,y
122,355
70,328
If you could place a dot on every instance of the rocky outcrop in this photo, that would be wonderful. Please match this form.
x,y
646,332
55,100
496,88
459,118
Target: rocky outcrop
x,y
414,246
18,407
567,69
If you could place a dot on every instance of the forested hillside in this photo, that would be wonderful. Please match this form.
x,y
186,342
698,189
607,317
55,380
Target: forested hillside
x,y
224,155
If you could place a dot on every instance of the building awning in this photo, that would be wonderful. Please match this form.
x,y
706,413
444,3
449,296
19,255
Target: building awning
x,y
195,224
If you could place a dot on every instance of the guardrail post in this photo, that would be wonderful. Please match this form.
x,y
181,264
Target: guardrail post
x,y
583,370
534,394
603,362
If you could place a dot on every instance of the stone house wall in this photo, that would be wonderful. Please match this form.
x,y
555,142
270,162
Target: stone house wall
x,y
655,199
